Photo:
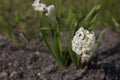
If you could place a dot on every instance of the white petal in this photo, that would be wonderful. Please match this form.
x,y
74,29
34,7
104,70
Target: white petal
x,y
36,3
50,8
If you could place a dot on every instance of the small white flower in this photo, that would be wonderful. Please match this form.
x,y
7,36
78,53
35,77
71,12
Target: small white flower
x,y
36,3
49,9
42,7
83,42
38,6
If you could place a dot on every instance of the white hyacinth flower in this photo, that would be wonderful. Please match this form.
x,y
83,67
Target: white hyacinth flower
x,y
83,42
42,7
38,6
36,3
49,9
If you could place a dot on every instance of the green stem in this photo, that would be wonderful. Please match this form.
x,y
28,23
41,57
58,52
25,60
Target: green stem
x,y
59,7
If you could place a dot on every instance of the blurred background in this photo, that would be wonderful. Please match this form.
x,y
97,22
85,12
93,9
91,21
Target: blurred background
x,y
20,22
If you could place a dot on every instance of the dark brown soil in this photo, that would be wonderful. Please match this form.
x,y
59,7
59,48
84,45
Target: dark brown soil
x,y
34,62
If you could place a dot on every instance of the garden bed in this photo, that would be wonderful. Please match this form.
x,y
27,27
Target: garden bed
x,y
34,62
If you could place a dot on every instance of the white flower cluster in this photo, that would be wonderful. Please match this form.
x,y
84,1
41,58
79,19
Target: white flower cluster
x,y
83,42
42,7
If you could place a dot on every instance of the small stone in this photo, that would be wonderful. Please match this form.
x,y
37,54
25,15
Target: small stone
x,y
10,64
13,73
3,74
38,74
29,67
41,76
37,53
48,69
16,64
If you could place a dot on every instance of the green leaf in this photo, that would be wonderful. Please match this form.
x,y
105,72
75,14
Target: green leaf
x,y
100,37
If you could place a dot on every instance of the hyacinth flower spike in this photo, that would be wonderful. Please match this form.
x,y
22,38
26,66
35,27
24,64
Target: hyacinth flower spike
x,y
83,43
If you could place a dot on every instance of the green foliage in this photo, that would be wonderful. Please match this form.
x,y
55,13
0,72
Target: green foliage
x,y
88,22
109,15
51,36
17,21
18,17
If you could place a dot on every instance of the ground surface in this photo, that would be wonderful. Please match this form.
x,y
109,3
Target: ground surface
x,y
34,62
